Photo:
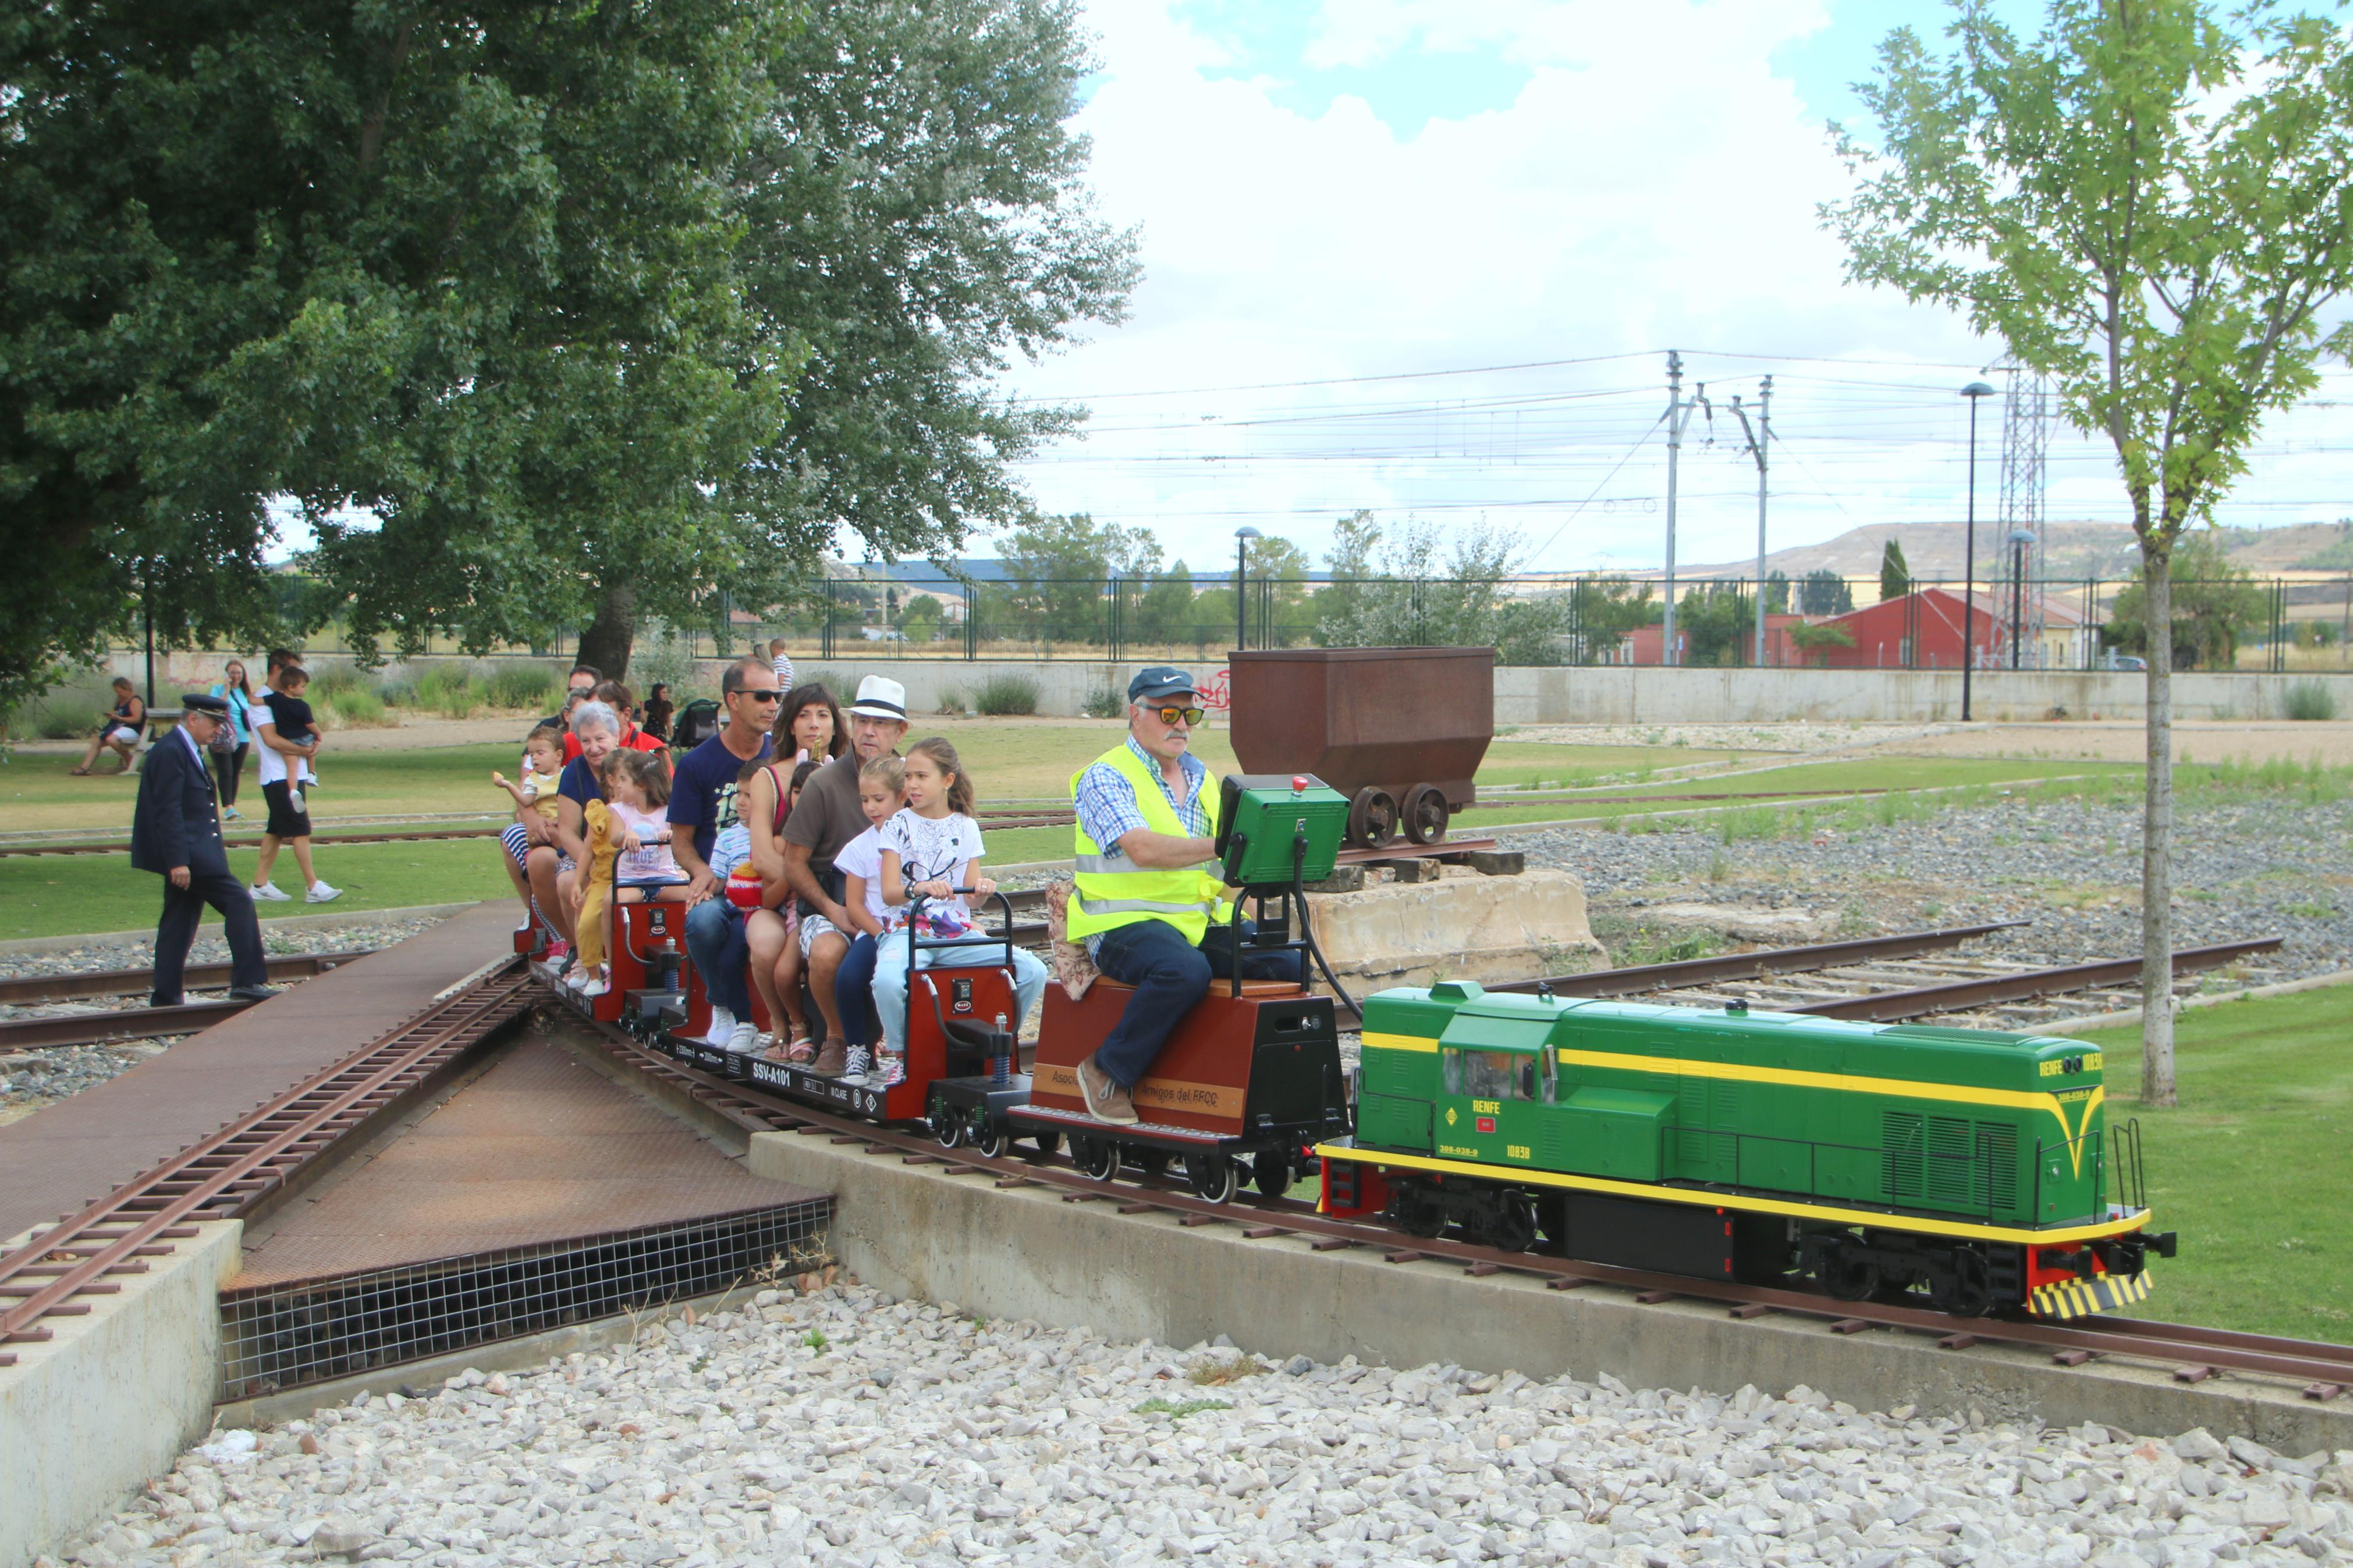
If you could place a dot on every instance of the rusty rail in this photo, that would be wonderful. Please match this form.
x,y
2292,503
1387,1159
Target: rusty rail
x,y
244,1161
1961,996
32,990
1756,965
57,1031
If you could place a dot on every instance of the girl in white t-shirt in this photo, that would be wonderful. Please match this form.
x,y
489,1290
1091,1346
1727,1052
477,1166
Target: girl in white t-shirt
x,y
881,783
932,848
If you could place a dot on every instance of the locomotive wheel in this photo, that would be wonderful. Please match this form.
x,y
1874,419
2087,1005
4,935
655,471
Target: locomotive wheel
x,y
1095,1158
1848,1277
1214,1178
1372,818
947,1126
1272,1174
1416,1213
1969,1292
1425,813
1514,1227
991,1142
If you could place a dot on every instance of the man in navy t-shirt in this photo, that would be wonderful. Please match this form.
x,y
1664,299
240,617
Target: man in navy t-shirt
x,y
702,800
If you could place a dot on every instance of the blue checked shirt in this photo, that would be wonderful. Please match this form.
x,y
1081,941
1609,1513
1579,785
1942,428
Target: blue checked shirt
x,y
1107,808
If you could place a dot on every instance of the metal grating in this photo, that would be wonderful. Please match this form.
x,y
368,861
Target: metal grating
x,y
284,1336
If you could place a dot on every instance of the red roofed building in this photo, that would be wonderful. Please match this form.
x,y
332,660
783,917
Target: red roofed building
x,y
1922,630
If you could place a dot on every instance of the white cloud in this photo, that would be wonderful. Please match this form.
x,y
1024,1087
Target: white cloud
x,y
1653,183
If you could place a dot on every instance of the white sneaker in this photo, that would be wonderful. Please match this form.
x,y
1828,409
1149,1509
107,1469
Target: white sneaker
x,y
744,1038
577,976
268,892
854,1071
597,987
722,1028
321,893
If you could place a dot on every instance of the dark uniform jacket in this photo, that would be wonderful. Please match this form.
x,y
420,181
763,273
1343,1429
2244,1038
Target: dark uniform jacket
x,y
176,823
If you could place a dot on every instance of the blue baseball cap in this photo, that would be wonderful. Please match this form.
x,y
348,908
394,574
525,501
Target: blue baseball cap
x,y
1157,681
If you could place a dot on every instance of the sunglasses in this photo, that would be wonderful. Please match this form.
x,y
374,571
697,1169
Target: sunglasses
x,y
761,694
1190,715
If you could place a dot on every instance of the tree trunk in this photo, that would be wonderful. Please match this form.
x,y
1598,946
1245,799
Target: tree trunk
x,y
2156,848
605,641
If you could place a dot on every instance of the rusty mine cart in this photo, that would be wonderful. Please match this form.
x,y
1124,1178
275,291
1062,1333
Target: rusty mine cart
x,y
1399,731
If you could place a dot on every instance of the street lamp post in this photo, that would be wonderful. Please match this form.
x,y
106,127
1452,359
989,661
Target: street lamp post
x,y
1242,536
2020,540
1974,392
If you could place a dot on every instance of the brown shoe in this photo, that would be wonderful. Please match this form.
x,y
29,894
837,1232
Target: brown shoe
x,y
831,1061
1106,1101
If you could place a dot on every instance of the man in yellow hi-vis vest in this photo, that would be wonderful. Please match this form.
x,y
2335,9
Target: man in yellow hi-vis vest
x,y
1148,910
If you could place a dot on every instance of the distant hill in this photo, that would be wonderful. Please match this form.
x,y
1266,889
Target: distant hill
x,y
2105,550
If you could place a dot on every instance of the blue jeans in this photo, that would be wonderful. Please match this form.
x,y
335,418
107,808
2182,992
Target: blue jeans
x,y
853,993
890,981
1169,974
714,940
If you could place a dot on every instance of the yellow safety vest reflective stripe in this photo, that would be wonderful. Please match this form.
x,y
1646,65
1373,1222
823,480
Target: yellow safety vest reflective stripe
x,y
1111,892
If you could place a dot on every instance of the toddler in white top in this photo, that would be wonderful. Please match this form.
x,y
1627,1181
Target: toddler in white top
x,y
930,849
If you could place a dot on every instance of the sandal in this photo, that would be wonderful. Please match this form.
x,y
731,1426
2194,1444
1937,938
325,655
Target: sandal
x,y
803,1050
78,773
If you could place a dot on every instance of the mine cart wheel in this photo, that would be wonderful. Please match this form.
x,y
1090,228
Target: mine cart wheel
x,y
1095,1157
1425,813
1271,1173
1214,1178
991,1142
1372,818
1047,1142
1849,1275
1514,1227
947,1125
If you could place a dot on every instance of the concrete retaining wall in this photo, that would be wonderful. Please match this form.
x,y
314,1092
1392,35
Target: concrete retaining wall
x,y
87,1416
1024,1252
1603,694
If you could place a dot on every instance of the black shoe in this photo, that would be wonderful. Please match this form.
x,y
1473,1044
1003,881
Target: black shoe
x,y
251,992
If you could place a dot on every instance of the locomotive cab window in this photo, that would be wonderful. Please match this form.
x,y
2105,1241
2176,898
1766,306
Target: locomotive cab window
x,y
1490,1075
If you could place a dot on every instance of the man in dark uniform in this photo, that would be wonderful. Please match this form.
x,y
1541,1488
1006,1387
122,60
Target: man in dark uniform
x,y
176,833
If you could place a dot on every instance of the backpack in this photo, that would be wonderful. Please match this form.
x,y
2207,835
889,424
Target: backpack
x,y
696,722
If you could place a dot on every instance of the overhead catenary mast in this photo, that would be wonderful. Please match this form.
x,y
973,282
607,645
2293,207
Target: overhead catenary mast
x,y
1758,439
2026,407
1679,413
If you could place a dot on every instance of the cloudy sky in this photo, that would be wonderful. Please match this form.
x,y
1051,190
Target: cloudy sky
x,y
1358,217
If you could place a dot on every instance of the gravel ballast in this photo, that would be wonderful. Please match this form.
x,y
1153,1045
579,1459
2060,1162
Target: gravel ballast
x,y
31,1079
843,1427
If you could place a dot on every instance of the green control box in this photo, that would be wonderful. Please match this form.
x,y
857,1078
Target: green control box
x,y
1262,817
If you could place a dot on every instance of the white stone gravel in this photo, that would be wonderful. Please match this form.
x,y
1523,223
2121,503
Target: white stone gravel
x,y
845,1428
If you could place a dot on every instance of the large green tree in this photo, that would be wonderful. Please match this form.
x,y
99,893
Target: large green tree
x,y
2151,202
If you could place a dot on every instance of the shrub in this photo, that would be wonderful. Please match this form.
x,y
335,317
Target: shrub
x,y
528,686
452,692
2311,700
952,701
1108,703
353,706
1003,696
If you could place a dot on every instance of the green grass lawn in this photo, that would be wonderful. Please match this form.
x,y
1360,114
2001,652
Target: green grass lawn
x,y
2251,1169
52,897
431,780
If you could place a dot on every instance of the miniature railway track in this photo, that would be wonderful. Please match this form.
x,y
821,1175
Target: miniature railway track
x,y
2193,1354
247,1161
33,990
1967,995
57,1031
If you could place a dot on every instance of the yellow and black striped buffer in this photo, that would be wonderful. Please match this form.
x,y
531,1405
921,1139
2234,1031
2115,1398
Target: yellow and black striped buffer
x,y
2081,1298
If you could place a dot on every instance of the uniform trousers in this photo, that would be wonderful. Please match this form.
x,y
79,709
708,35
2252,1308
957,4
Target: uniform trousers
x,y
176,933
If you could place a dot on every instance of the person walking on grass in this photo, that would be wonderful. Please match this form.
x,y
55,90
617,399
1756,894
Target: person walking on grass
x,y
283,763
176,832
236,688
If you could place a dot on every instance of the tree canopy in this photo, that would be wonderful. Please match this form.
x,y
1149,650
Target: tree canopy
x,y
2151,202
541,313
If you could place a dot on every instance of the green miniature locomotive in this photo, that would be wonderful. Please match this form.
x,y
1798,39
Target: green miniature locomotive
x,y
1974,1166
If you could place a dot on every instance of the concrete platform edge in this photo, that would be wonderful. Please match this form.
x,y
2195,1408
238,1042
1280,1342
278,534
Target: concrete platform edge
x,y
1023,1253
113,1398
